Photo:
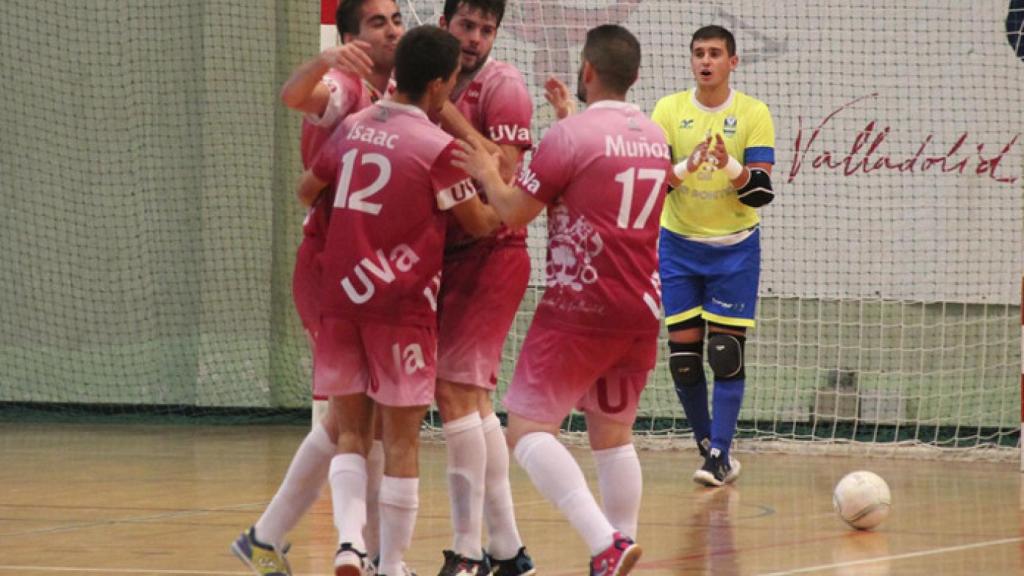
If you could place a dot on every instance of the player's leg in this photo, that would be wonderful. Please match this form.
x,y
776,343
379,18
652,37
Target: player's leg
x,y
302,484
402,364
682,288
348,479
466,469
621,484
399,489
505,551
374,476
479,298
341,372
555,369
729,308
610,407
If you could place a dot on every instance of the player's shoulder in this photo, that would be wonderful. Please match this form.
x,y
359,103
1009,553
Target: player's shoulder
x,y
748,102
675,100
500,70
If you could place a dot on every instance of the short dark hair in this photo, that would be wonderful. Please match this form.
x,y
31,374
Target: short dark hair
x,y
714,32
424,54
614,53
493,7
348,15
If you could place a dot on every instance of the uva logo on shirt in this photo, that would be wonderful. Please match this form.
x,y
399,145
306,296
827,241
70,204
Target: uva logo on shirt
x,y
528,179
473,92
509,133
382,268
408,359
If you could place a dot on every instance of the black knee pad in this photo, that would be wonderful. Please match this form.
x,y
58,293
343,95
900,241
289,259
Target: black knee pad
x,y
686,363
725,355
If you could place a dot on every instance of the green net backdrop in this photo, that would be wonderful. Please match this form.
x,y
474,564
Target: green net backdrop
x,y
149,229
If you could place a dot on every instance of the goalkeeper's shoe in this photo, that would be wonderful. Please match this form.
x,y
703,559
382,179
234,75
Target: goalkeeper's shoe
x,y
262,559
704,447
717,470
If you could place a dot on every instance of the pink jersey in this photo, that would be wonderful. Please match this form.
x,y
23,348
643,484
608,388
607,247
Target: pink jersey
x,y
391,171
498,105
603,174
347,94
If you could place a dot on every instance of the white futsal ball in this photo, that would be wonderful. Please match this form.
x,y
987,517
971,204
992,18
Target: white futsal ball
x,y
862,499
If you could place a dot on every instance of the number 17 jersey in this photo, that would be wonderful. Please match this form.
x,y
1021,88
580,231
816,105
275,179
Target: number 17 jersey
x,y
602,173
391,171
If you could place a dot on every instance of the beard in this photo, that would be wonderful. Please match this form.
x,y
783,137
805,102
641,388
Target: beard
x,y
581,90
477,64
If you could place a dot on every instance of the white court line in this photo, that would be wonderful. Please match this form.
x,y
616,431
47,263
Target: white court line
x,y
899,556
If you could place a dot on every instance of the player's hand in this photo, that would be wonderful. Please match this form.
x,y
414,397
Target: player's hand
x,y
557,93
480,140
698,156
473,157
717,153
351,57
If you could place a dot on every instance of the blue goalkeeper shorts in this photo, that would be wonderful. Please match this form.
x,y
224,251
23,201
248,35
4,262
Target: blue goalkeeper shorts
x,y
718,283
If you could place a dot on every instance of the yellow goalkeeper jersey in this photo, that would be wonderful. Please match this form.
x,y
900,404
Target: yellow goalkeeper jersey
x,y
705,204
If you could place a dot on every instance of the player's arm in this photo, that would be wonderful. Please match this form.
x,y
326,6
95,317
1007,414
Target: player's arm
x,y
476,218
752,181
454,123
305,92
513,206
309,188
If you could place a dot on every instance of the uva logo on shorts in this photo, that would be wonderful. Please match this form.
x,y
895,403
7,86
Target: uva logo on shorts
x,y
409,359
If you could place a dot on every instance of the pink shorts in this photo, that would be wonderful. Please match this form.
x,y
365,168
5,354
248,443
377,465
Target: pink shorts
x,y
394,365
480,294
559,370
306,284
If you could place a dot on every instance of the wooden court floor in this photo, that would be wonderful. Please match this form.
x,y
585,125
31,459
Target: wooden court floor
x,y
137,500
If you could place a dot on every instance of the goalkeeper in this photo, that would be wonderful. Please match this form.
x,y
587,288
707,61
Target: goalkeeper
x,y
723,147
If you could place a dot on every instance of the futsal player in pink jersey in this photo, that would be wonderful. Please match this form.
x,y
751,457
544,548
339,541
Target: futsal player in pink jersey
x,y
601,174
392,172
338,82
483,283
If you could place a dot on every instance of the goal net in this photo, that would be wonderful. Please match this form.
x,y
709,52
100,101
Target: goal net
x,y
149,230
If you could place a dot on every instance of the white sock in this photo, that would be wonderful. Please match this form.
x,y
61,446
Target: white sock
x,y
300,488
503,540
467,463
621,483
348,492
558,477
374,474
399,502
